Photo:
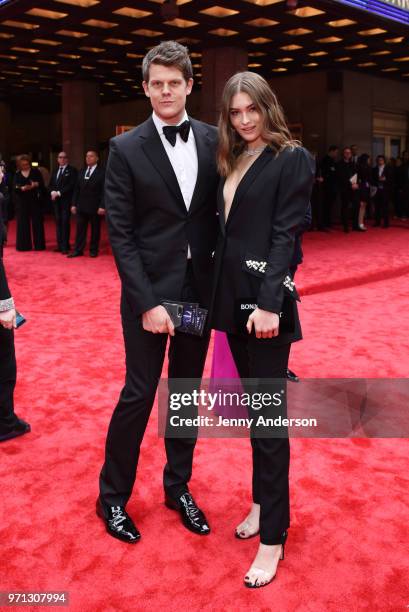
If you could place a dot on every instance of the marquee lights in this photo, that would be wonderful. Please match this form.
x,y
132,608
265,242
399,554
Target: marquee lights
x,y
397,10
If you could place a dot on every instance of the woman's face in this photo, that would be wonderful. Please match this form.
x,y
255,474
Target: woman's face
x,y
24,165
245,118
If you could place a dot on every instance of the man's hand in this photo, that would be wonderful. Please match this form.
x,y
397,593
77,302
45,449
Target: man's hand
x,y
74,210
157,321
266,324
54,195
8,319
101,211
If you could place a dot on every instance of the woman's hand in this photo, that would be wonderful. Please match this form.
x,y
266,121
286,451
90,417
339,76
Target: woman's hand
x,y
8,318
266,324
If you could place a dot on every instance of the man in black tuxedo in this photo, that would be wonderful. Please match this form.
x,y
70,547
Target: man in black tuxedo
x,y
88,204
348,189
382,180
160,196
61,188
10,425
329,174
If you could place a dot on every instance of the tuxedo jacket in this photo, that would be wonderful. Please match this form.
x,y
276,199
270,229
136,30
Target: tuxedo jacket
x,y
4,289
89,193
149,225
256,243
345,170
386,185
65,185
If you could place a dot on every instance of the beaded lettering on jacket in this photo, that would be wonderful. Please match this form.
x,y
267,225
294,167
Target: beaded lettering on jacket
x,y
258,266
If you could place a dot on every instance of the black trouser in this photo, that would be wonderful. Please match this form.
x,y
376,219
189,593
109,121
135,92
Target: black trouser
x,y
8,373
83,218
330,197
145,353
62,223
30,216
349,199
381,201
261,358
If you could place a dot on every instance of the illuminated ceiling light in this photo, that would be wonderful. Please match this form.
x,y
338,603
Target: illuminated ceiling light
x,y
291,47
401,59
181,23
372,32
72,33
188,41
12,72
306,11
109,83
223,32
366,64
381,52
198,74
285,59
179,2
29,67
197,65
394,41
129,80
127,11
343,59
46,14
257,54
144,32
120,71
45,41
254,65
29,81
195,54
92,49
99,23
310,65
264,2
261,23
341,23
23,25
329,39
356,47
81,3
25,49
106,61
405,74
136,55
259,41
69,56
279,70
318,53
10,57
85,67
65,72
118,41
219,11
17,85
298,32
48,62
389,69
4,35
46,88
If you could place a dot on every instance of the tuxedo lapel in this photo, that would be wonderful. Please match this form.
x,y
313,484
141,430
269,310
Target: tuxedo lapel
x,y
156,153
203,142
247,180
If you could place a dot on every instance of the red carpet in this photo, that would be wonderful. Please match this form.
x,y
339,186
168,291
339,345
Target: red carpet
x,y
348,543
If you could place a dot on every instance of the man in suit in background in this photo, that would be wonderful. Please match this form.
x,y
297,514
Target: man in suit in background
x,y
329,174
10,425
61,188
382,180
348,189
160,196
88,204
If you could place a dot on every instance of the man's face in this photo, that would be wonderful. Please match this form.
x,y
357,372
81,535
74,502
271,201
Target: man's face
x,y
347,154
334,154
167,91
62,159
354,150
91,158
381,161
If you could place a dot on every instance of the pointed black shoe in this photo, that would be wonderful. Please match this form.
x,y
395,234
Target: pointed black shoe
x,y
192,517
19,429
118,523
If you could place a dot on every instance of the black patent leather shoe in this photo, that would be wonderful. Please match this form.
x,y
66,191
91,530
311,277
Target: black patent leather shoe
x,y
19,429
292,376
192,517
118,523
75,254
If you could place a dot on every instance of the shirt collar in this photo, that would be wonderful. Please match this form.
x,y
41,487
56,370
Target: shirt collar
x,y
159,124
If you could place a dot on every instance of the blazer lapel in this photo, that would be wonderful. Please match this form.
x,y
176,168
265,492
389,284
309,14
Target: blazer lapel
x,y
247,180
203,142
155,151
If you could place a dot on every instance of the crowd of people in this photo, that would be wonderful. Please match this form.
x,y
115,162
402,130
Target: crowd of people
x,y
362,191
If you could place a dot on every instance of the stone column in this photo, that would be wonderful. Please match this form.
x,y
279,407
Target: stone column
x,y
80,108
218,65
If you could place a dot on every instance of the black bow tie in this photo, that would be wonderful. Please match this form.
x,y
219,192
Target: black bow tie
x,y
171,131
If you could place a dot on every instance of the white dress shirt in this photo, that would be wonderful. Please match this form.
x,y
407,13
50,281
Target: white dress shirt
x,y
91,168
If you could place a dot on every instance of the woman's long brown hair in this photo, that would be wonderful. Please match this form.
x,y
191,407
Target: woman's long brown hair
x,y
275,130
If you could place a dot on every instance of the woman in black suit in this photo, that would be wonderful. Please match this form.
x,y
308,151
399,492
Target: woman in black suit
x,y
262,199
28,187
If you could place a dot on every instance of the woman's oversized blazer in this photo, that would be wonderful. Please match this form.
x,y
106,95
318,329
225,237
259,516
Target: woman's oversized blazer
x,y
256,244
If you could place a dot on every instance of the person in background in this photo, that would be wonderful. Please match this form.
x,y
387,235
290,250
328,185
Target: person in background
x,y
364,182
4,200
330,185
88,204
404,185
61,188
10,425
381,179
354,155
317,198
28,188
347,181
